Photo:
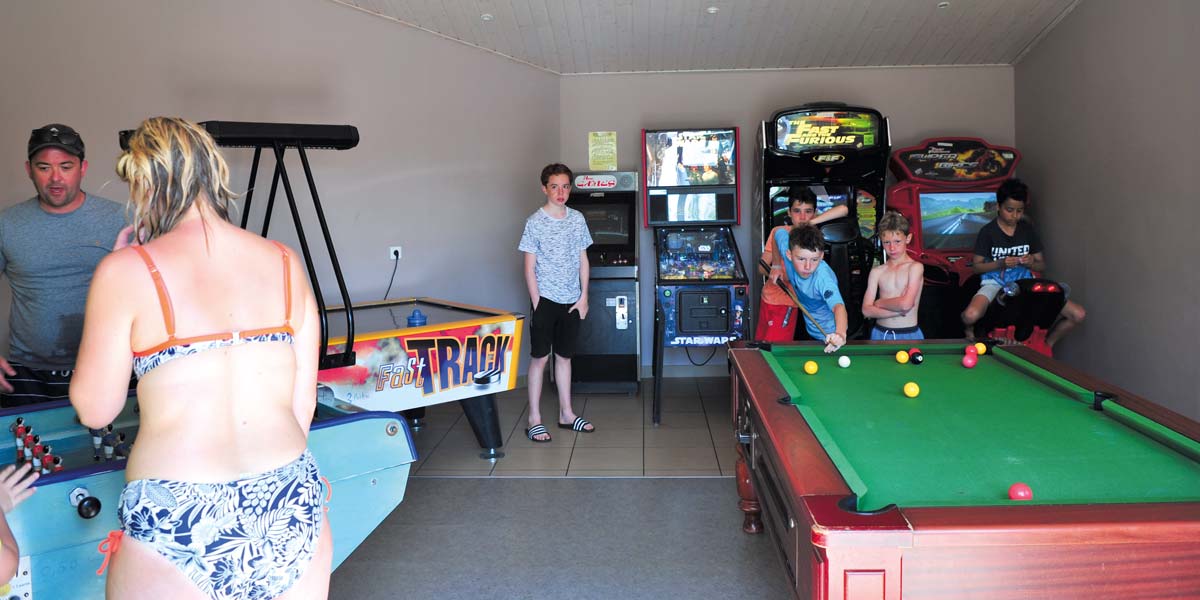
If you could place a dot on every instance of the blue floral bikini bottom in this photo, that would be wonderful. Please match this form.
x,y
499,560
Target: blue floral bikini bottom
x,y
251,538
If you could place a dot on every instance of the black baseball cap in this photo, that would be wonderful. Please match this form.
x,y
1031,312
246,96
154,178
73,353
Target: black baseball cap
x,y
56,135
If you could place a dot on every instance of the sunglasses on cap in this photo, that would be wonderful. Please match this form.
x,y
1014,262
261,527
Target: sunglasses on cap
x,y
56,136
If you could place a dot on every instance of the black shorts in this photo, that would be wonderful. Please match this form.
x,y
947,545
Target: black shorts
x,y
554,328
34,386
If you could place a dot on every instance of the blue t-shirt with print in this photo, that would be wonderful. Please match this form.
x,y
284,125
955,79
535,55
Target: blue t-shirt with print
x,y
818,293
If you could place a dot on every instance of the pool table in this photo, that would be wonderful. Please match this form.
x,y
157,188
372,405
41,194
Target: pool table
x,y
871,494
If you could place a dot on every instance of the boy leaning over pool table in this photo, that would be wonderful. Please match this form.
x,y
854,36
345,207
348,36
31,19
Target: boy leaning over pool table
x,y
816,287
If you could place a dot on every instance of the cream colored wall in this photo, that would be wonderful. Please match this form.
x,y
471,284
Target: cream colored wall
x,y
453,138
1108,117
920,102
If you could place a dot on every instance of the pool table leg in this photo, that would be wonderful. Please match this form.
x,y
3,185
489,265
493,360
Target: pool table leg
x,y
748,503
485,422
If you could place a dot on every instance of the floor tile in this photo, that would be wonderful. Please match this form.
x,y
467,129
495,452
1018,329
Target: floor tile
x,y
424,472
610,438
727,459
681,420
692,459
616,419
534,459
606,458
521,473
678,438
683,473
612,473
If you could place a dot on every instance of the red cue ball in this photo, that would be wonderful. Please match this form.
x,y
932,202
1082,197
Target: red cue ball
x,y
971,349
1020,491
970,360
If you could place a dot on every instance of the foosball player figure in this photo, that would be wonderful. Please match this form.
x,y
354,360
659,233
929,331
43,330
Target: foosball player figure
x,y
98,439
20,430
38,450
111,441
31,440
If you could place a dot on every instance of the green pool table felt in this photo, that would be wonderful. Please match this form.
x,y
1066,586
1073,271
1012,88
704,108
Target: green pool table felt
x,y
972,433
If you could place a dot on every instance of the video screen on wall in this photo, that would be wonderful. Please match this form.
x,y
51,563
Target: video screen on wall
x,y
952,220
696,157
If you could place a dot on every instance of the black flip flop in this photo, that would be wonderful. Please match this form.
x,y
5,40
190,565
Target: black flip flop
x,y
536,430
578,425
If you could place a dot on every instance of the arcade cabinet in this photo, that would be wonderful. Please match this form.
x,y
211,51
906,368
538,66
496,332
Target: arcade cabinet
x,y
840,152
691,201
609,357
946,188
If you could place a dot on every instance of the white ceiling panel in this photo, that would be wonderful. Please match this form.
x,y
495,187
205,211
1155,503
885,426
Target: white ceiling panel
x,y
622,36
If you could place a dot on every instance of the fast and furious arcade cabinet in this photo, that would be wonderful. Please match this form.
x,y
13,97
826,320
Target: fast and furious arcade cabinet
x,y
946,187
840,152
609,356
691,201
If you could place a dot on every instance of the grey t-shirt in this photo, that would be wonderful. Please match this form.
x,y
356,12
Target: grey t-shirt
x,y
557,244
49,260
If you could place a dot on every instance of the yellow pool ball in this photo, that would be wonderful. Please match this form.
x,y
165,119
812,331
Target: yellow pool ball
x,y
912,390
810,367
981,348
902,357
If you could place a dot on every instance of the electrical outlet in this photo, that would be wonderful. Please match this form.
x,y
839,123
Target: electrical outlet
x,y
394,252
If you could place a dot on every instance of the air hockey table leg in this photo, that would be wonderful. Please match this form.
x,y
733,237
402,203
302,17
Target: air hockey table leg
x,y
485,422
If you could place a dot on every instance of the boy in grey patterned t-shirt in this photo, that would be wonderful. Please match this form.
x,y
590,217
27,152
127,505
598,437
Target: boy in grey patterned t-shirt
x,y
555,244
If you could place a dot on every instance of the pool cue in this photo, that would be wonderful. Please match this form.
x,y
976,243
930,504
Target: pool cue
x,y
791,296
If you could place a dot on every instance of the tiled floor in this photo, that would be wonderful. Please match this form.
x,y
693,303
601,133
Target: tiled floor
x,y
695,438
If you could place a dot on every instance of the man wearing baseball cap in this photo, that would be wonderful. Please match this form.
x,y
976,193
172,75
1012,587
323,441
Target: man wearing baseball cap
x,y
49,247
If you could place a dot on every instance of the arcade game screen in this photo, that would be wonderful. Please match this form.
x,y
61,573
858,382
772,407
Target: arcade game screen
x,y
690,158
691,208
825,129
608,223
697,254
828,196
952,220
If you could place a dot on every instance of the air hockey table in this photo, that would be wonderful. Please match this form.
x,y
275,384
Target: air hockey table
x,y
365,456
450,351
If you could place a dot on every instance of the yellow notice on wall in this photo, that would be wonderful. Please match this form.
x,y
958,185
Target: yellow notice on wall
x,y
602,150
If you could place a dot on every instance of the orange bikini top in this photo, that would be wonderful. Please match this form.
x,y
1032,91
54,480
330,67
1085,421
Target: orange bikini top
x,y
174,347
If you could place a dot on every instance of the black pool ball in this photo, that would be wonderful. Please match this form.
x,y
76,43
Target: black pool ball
x,y
916,357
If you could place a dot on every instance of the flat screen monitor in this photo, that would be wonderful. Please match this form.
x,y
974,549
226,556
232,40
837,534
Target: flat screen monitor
x,y
610,223
952,220
691,157
667,208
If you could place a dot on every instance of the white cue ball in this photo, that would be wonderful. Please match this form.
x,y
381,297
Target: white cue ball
x,y
844,361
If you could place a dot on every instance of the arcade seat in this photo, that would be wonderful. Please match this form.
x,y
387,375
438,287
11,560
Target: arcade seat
x,y
942,303
849,255
1024,312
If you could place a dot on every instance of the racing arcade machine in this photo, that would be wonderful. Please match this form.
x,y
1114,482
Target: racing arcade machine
x,y
691,201
840,152
609,359
946,187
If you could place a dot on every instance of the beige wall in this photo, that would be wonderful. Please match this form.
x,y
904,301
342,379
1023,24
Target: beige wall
x,y
1108,117
452,138
921,102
